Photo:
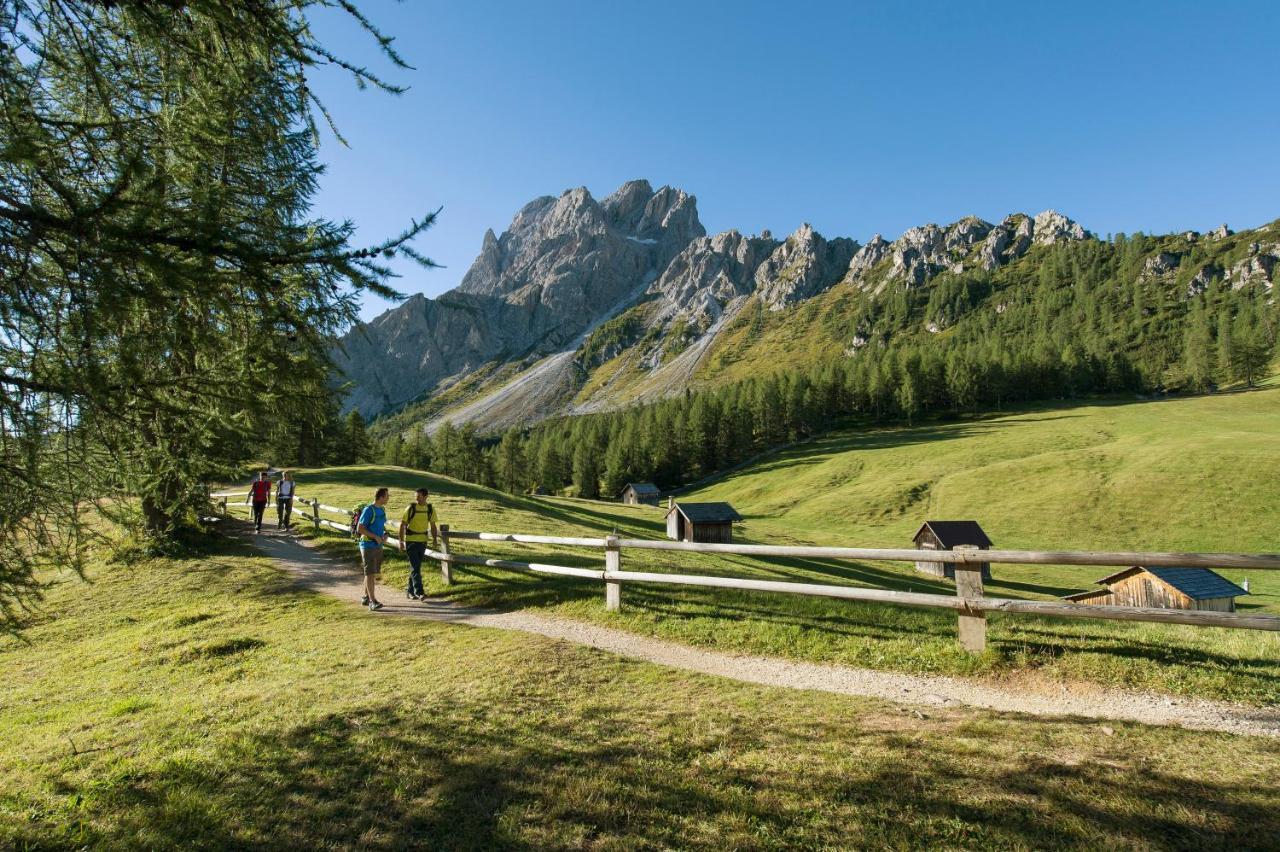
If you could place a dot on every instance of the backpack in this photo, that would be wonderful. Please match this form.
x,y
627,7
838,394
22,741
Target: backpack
x,y
413,510
355,520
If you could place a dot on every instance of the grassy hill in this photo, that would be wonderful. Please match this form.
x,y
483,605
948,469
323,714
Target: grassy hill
x,y
207,703
1176,474
1184,474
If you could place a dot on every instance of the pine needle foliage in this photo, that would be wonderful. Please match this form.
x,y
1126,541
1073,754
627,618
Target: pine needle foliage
x,y
167,294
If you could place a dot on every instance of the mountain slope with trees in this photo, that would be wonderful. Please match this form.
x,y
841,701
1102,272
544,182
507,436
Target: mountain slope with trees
x,y
1068,318
944,317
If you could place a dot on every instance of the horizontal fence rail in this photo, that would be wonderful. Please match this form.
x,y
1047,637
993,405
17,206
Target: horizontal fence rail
x,y
970,603
1258,561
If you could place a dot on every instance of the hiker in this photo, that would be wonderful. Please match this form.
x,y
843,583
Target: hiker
x,y
418,517
284,500
259,493
372,528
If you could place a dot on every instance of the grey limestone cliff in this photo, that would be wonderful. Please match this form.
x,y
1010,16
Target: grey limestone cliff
x,y
568,264
561,265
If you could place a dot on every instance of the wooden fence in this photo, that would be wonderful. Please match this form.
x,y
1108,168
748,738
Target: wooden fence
x,y
969,602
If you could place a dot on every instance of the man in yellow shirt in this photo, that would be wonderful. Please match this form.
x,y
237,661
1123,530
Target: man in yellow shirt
x,y
418,518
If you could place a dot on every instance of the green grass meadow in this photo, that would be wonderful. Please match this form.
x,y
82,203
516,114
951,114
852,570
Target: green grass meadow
x,y
1183,474
207,703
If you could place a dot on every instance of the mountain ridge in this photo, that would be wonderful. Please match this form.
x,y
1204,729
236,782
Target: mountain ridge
x,y
573,279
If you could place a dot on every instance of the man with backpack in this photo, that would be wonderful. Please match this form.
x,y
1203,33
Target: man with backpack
x,y
371,526
418,517
259,494
284,500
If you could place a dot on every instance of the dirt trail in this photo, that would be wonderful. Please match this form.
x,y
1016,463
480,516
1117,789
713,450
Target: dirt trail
x,y
323,573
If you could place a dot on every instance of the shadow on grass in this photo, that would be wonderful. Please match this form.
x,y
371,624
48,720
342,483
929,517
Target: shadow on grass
x,y
462,775
1161,653
828,624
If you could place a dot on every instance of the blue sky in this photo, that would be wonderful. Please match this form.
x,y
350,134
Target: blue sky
x,y
857,118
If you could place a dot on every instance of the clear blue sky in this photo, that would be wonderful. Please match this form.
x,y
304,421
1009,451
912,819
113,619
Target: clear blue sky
x,y
857,118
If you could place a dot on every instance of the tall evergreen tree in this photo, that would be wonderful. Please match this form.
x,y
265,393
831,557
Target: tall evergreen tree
x,y
511,473
166,294
357,447
1197,350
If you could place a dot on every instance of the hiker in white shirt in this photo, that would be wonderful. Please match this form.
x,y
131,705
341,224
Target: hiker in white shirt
x,y
284,500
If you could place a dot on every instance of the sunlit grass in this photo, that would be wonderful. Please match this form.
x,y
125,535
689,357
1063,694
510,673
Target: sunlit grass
x,y
207,703
1093,477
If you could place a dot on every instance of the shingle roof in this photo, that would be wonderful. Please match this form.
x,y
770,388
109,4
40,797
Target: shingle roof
x,y
643,488
951,533
1198,583
707,513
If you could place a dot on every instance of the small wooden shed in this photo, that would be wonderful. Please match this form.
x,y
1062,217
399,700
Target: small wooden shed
x,y
705,522
1164,588
641,494
946,535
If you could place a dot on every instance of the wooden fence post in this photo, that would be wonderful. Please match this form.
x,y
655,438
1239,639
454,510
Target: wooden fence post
x,y
612,562
972,625
315,513
446,564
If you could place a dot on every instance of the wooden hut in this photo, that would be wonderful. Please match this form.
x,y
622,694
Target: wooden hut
x,y
946,535
704,522
641,494
1164,588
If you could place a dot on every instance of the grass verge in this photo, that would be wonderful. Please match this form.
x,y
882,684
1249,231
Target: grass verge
x,y
206,703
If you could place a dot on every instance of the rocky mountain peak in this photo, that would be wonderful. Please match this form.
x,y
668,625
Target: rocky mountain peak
x,y
804,265
1052,227
574,212
709,274
626,205
876,249
924,251
1007,241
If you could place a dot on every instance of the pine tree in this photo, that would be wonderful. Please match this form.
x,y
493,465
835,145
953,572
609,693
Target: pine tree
x,y
1197,350
586,470
448,458
551,465
511,473
1249,351
1226,345
908,397
962,380
356,440
175,295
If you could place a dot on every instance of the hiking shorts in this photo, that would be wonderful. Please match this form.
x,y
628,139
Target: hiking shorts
x,y
371,560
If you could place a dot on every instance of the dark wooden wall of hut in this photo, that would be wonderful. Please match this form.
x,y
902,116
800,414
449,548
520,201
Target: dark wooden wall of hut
x,y
712,533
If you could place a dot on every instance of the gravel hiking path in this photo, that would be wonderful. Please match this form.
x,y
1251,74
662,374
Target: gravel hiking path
x,y
340,578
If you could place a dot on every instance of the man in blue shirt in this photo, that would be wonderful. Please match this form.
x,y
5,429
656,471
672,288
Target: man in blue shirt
x,y
372,529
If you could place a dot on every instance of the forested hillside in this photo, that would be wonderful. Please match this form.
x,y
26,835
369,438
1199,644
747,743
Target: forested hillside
x,y
1074,319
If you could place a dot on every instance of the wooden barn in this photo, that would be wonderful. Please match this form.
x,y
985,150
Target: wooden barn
x,y
946,535
1164,588
704,522
641,494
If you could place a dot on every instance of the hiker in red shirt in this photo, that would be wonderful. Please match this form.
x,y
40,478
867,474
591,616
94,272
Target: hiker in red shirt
x,y
260,494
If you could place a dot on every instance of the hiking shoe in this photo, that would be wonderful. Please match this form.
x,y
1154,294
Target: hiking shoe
x,y
375,606
364,600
